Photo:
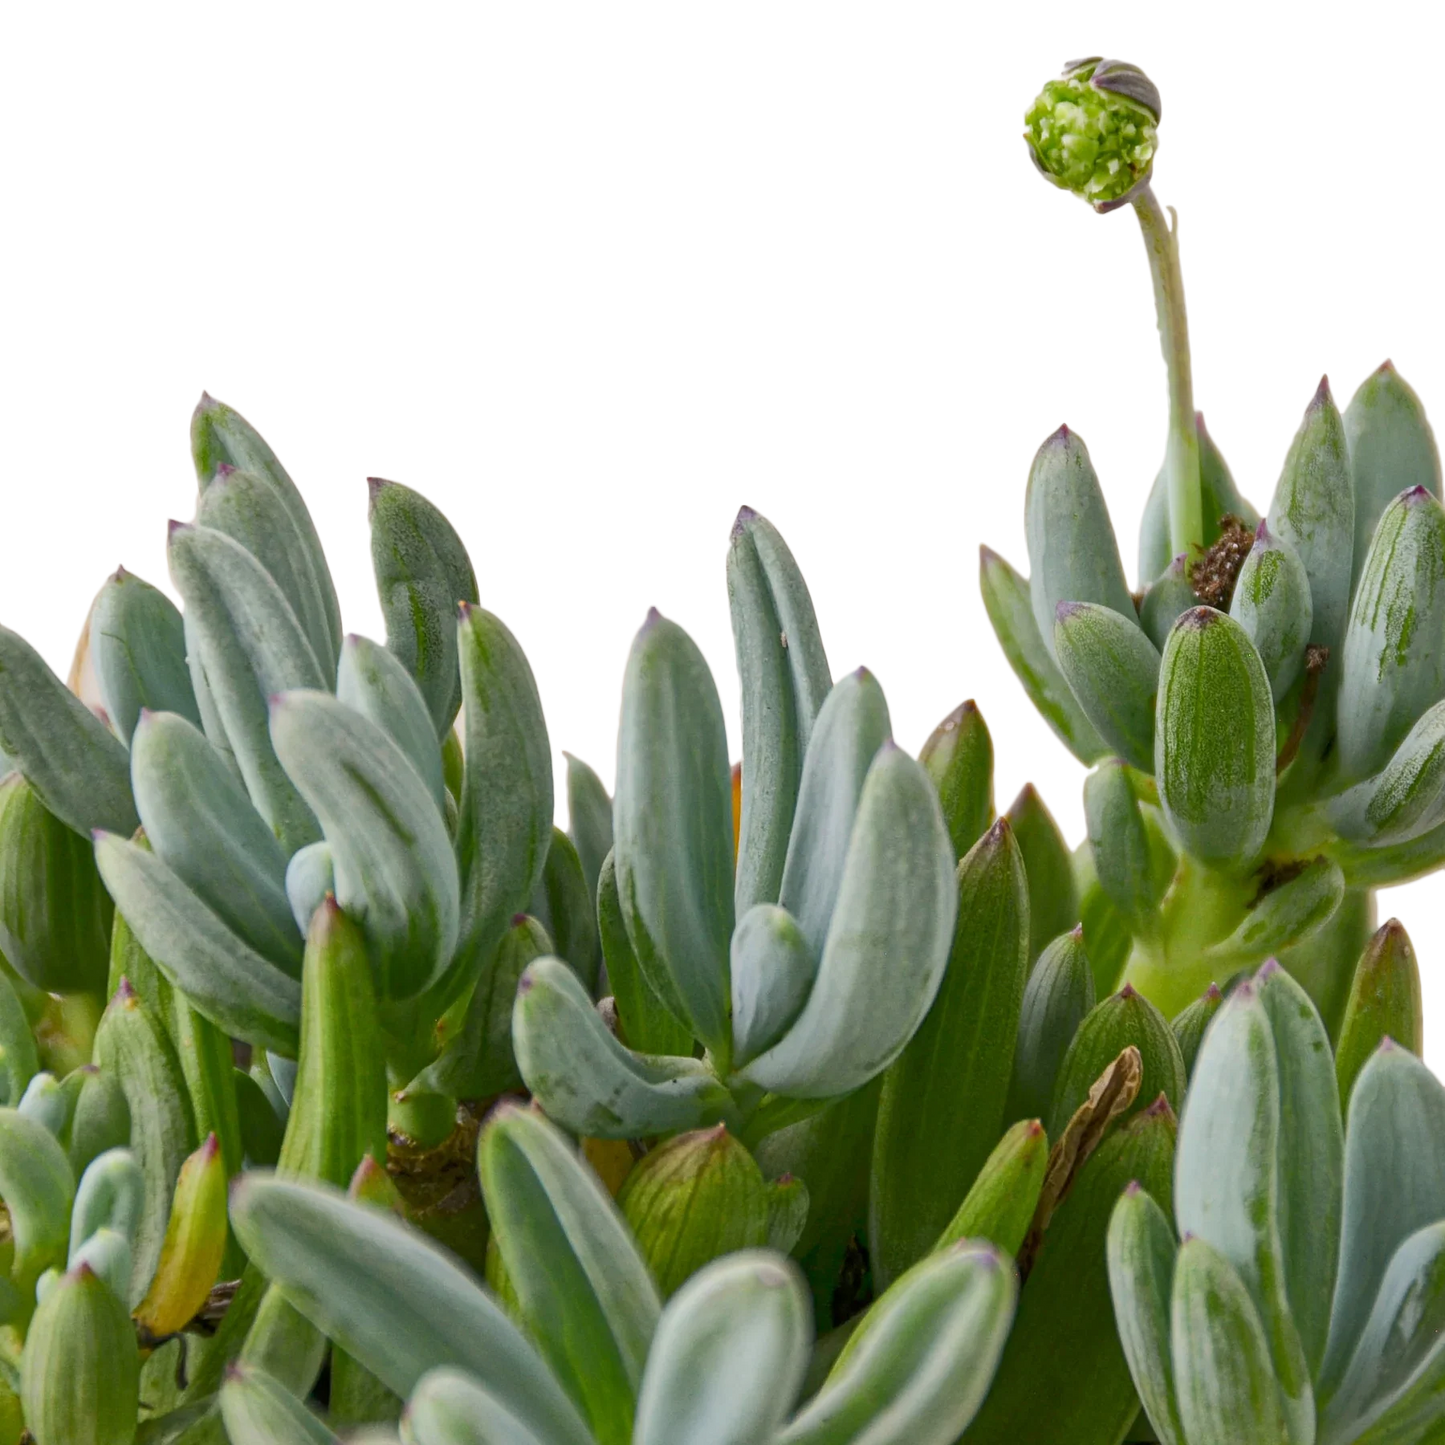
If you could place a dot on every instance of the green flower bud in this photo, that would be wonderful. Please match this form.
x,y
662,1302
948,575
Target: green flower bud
x,y
696,1197
1093,131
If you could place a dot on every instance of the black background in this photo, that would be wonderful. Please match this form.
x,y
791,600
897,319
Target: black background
x,y
597,308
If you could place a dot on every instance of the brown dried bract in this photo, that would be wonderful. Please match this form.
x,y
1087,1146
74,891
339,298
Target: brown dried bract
x,y
1214,574
1113,1092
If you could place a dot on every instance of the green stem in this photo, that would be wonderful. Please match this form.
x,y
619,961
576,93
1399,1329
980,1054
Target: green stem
x,y
1186,512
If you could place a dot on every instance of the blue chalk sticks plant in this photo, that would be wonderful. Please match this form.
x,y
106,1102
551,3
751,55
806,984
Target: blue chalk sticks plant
x,y
803,1101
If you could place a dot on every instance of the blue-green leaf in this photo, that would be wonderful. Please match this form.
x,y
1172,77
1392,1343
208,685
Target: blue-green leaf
x,y
77,767
225,980
202,826
395,872
887,945
728,1355
785,678
250,647
673,817
373,681
412,1309
138,650
423,574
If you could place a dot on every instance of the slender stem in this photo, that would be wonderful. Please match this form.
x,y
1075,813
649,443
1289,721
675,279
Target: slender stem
x,y
1186,513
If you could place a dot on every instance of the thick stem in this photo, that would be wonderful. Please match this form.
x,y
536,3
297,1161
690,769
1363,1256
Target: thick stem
x,y
1186,513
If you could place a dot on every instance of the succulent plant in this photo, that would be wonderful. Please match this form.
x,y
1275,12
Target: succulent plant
x,y
801,1101
1264,713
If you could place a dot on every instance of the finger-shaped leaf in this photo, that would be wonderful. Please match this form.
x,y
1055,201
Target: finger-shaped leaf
x,y
255,509
338,1104
1406,797
1063,1375
37,1186
99,1117
262,1128
646,1023
395,872
477,1061
208,1065
1228,1183
1393,667
422,574
958,756
588,1082
227,982
1285,914
132,1044
1053,892
194,1245
772,971
887,945
257,1409
1073,556
111,1195
1007,600
851,727
1272,603
1113,669
943,1099
584,1291
1123,854
1311,1158
1057,999
1001,1200
504,824
696,1197
138,650
1166,599
1394,1185
412,1309
310,876
927,1361
1141,1252
563,906
202,826
373,681
55,918
1391,448
1391,1388
728,1355
77,767
1314,511
45,1102
1214,741
673,816
220,438
251,648
589,819
19,1062
1227,1391
451,1408
1112,1025
785,677
1384,1003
